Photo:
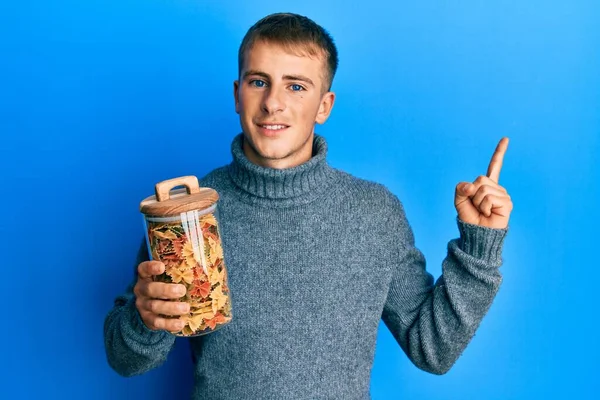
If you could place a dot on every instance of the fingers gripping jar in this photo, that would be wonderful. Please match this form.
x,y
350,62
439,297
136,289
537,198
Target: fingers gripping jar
x,y
182,231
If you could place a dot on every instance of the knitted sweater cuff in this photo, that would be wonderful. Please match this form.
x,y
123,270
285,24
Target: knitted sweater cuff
x,y
481,242
134,326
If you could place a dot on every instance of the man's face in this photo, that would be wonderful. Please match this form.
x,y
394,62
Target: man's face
x,y
279,98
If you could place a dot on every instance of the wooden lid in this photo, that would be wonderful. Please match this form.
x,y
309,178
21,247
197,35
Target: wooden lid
x,y
173,202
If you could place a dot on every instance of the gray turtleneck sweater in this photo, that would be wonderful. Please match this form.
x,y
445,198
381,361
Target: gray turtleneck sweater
x,y
315,258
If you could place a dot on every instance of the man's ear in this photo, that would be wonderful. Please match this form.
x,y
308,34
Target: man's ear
x,y
236,90
325,107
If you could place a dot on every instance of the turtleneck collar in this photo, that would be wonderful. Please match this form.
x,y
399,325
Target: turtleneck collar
x,y
288,186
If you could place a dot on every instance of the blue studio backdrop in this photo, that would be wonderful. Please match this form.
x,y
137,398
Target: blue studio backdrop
x,y
102,99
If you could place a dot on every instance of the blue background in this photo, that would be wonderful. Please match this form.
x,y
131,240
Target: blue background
x,y
99,100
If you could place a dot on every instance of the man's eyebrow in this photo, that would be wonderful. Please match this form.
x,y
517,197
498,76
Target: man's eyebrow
x,y
300,78
258,73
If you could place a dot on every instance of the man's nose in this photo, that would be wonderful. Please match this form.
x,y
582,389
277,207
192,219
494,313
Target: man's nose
x,y
273,101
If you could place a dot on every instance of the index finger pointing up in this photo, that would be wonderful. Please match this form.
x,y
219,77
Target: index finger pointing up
x,y
493,171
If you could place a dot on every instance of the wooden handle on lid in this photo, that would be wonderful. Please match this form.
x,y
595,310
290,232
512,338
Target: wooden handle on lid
x,y
162,189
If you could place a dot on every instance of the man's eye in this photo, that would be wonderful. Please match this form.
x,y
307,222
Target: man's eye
x,y
258,83
297,88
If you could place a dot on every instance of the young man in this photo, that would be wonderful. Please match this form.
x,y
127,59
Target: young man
x,y
315,256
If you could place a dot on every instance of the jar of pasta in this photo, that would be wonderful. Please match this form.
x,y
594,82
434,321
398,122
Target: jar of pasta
x,y
182,231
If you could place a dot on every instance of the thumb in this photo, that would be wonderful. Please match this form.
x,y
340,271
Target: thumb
x,y
463,191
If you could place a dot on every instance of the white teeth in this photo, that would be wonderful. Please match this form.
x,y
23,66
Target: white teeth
x,y
274,127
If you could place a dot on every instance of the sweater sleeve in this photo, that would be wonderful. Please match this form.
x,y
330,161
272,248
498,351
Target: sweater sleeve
x,y
434,322
131,347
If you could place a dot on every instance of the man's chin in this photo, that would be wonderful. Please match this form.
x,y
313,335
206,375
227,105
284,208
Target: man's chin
x,y
275,153
263,151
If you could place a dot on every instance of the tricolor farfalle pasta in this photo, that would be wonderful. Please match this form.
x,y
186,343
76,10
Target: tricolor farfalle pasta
x,y
196,261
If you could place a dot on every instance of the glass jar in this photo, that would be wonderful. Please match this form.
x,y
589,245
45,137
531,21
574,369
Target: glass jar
x,y
182,231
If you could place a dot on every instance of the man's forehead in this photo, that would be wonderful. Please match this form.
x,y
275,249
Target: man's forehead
x,y
262,50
